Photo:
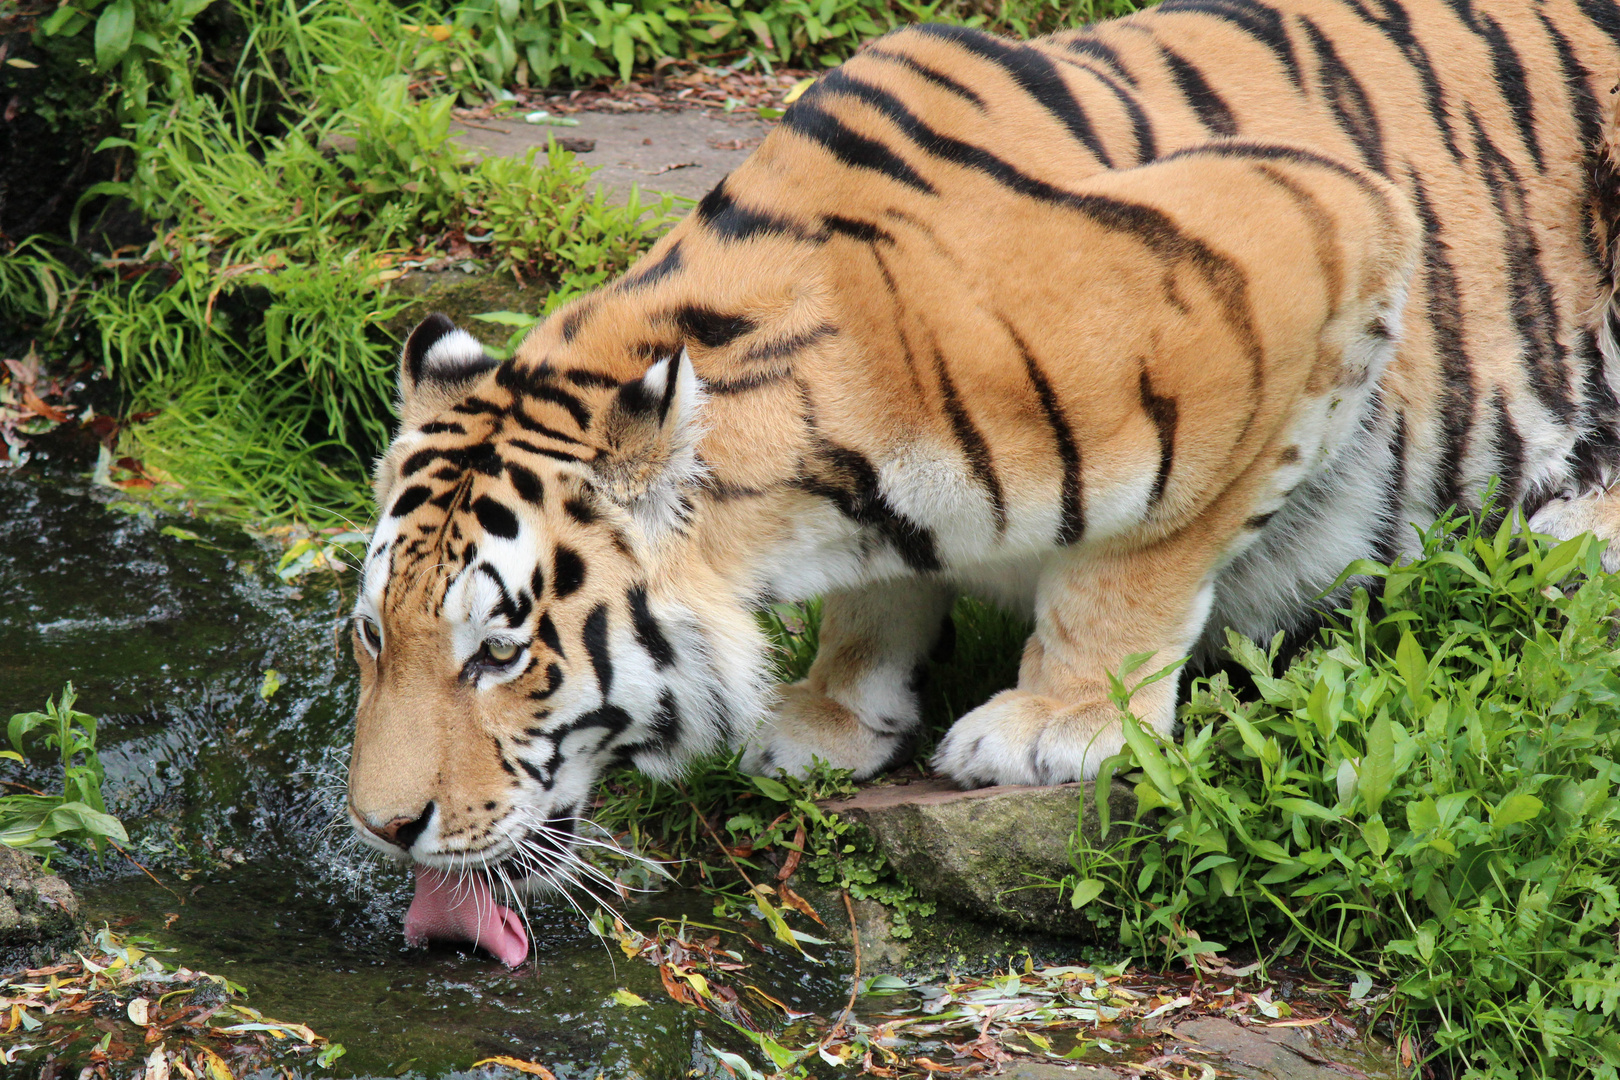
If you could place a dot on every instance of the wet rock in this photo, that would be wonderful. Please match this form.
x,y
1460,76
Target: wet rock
x,y
38,912
1275,1053
987,853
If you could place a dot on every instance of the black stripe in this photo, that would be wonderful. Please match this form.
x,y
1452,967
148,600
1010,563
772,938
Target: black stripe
x,y
1270,152
479,457
1535,311
664,730
1389,543
543,451
1512,84
1457,394
864,231
1597,451
495,518
1604,15
857,151
558,396
547,632
847,479
1097,50
1073,514
1347,99
567,571
439,427
648,274
526,484
554,679
1258,21
1147,145
938,78
409,500
648,632
537,582
1211,108
1396,25
1163,412
1509,447
580,510
1259,521
710,328
1600,199
472,406
575,317
974,448
584,377
515,612
529,423
730,221
754,381
595,637
1034,72
786,347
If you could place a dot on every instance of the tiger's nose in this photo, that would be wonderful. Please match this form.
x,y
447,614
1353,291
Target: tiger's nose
x,y
402,831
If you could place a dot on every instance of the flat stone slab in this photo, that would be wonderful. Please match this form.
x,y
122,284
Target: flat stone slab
x,y
989,853
1281,1053
684,153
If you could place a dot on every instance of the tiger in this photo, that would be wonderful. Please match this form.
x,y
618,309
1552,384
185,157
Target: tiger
x,y
1145,330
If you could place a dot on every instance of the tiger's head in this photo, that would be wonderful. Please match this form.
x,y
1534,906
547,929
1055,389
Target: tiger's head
x,y
518,627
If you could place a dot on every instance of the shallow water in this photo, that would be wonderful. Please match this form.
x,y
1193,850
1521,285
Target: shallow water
x,y
230,798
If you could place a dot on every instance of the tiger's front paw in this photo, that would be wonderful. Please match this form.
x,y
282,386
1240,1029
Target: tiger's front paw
x,y
805,726
1022,738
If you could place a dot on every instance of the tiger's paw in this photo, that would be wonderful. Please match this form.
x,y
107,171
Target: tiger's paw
x,y
806,726
1021,738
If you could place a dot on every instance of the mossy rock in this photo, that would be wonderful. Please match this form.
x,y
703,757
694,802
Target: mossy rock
x,y
461,296
994,853
38,912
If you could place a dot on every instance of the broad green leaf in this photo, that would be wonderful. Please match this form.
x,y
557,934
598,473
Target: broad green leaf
x,y
1084,892
1515,808
1413,666
1377,765
1150,759
1377,836
772,789
114,29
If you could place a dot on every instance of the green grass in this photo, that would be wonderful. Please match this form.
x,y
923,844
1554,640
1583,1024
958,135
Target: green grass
x,y
1427,795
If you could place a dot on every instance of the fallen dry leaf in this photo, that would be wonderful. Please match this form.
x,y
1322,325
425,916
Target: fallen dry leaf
x,y
530,1067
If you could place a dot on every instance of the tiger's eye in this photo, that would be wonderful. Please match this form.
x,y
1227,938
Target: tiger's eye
x,y
501,652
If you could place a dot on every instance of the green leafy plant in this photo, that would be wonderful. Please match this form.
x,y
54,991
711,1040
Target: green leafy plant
x,y
40,823
1429,794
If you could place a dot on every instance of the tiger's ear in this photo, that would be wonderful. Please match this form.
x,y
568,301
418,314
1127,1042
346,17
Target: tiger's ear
x,y
651,427
436,366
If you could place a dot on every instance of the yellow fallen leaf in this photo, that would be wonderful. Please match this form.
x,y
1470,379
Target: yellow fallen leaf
x,y
798,90
437,33
530,1067
625,997
213,1066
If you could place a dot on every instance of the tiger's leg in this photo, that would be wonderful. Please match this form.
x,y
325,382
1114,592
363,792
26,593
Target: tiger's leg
x,y
858,707
1093,609
1596,511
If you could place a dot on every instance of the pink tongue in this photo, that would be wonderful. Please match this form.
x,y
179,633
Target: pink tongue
x,y
462,909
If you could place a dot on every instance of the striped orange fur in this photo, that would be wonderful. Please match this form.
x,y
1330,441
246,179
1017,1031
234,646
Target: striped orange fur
x,y
1148,329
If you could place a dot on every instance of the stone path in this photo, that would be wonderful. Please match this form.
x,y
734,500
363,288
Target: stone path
x,y
684,153
1245,1053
